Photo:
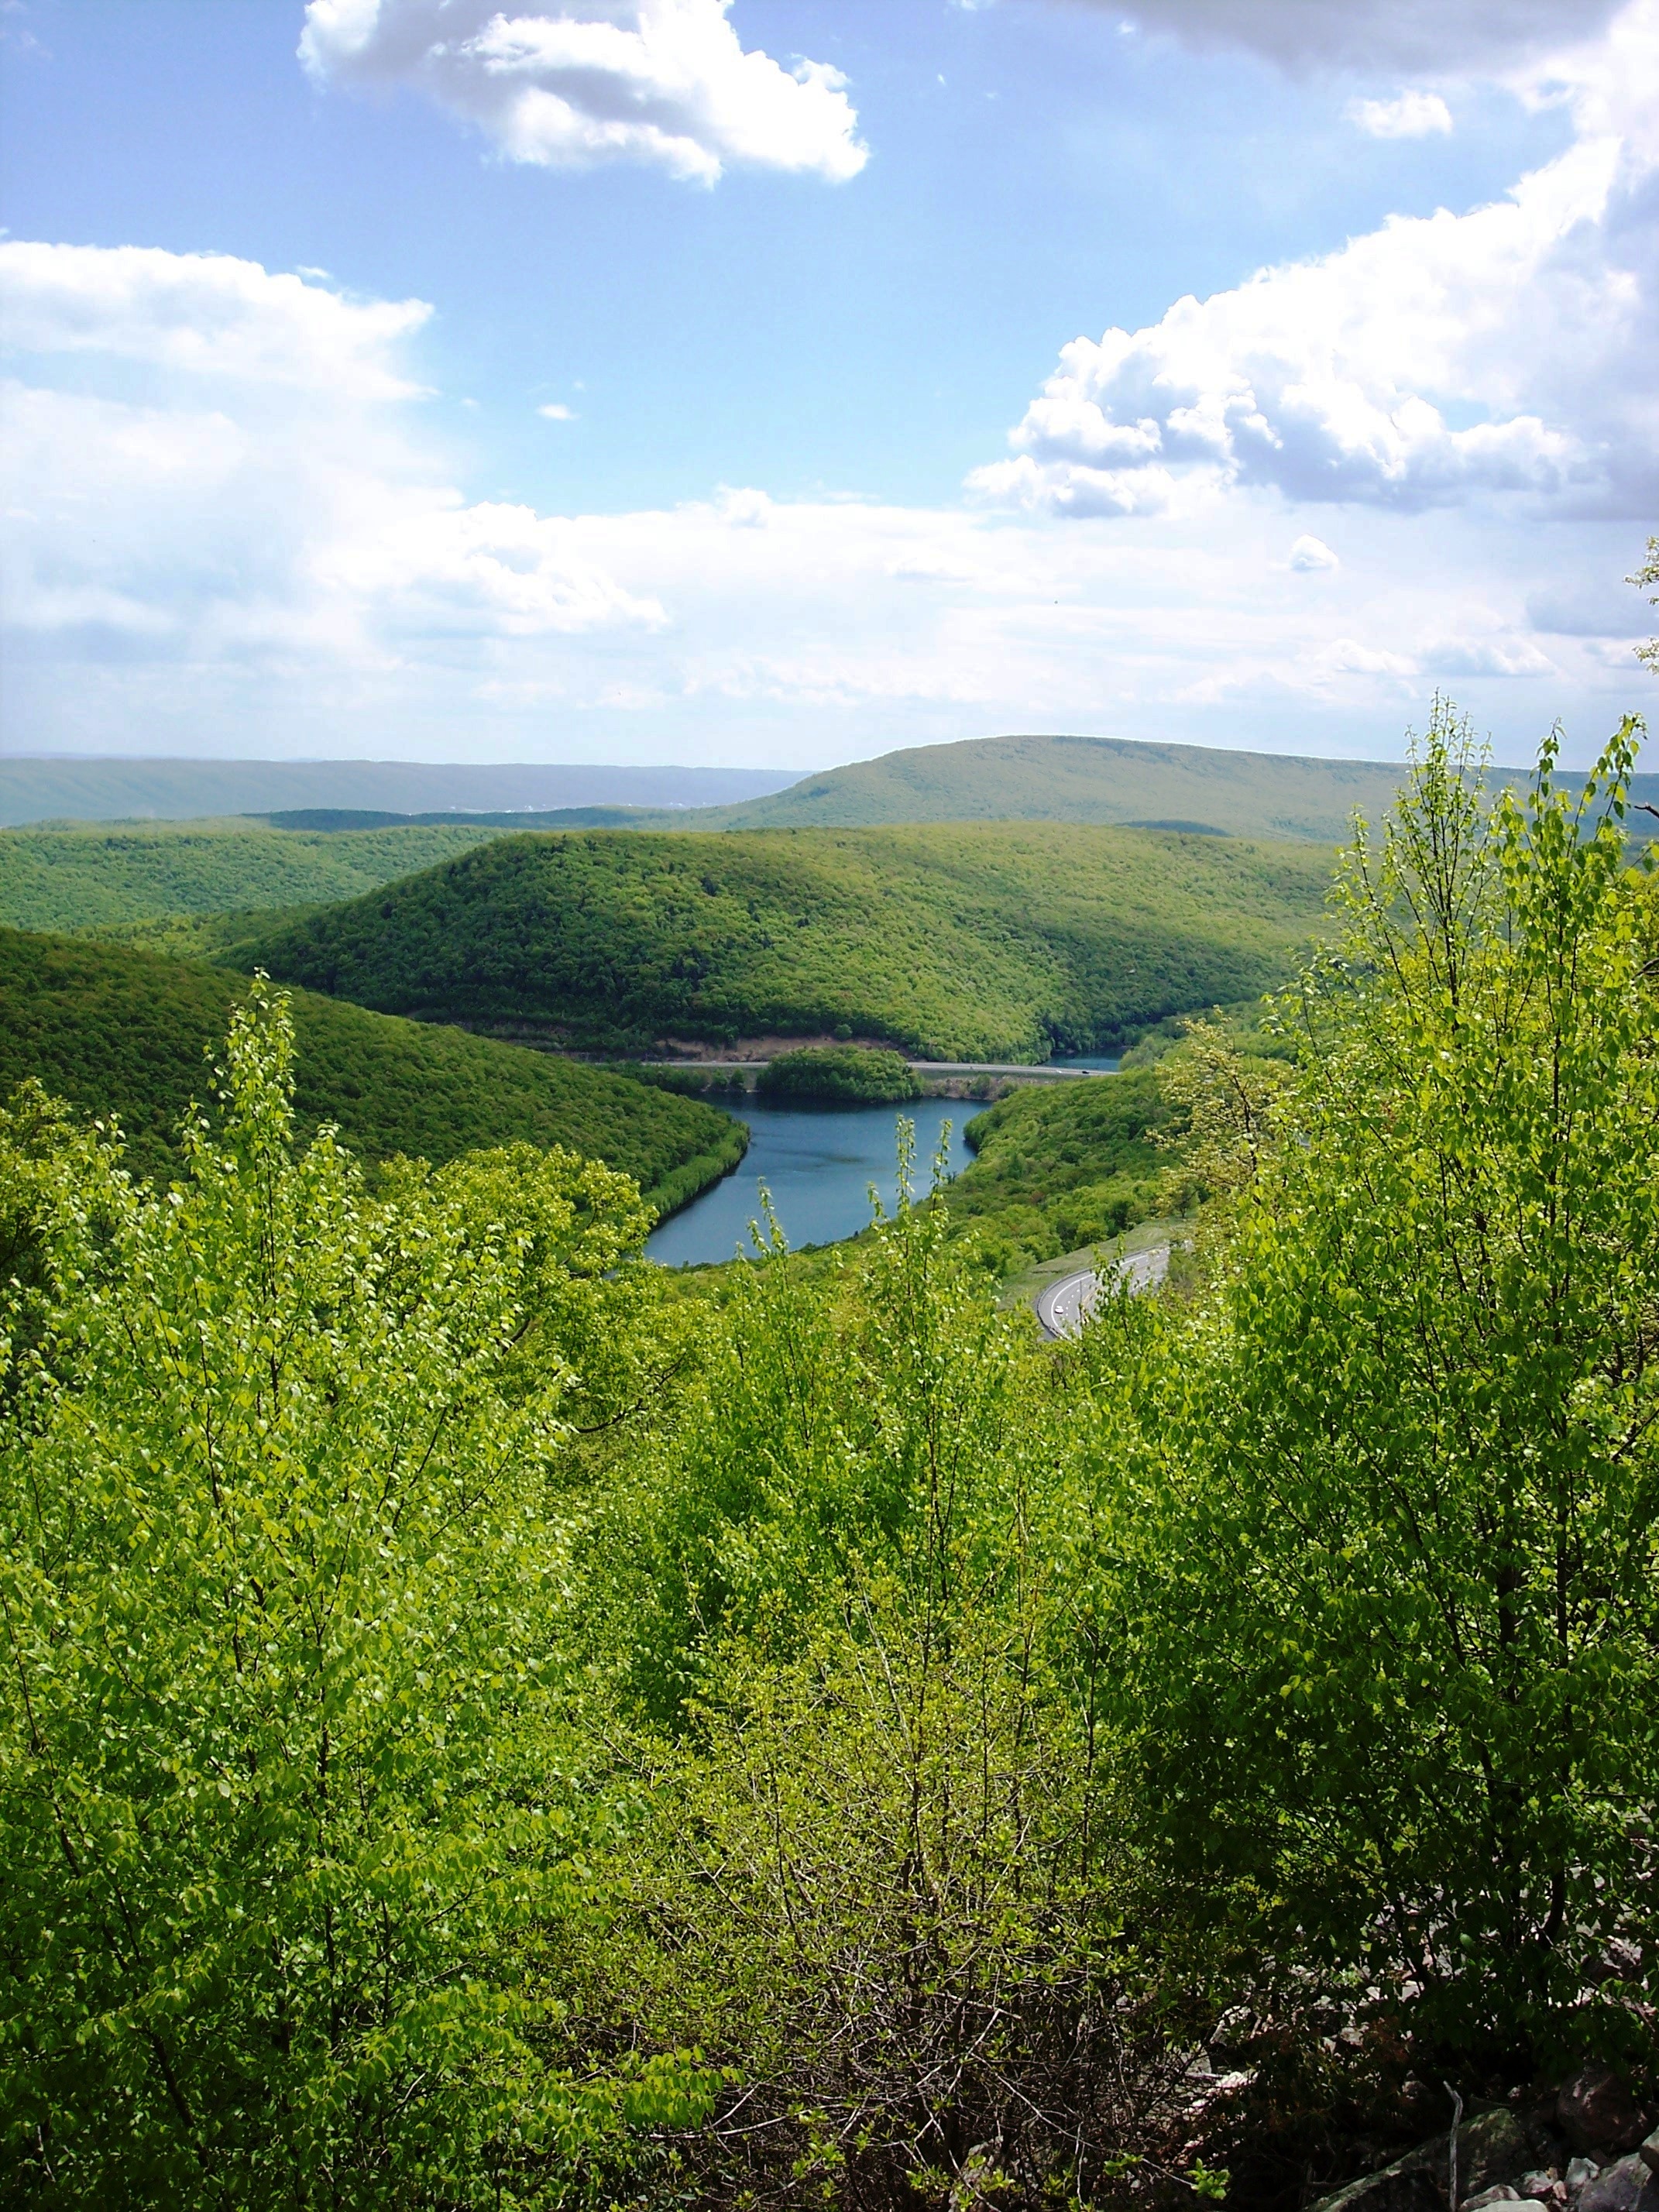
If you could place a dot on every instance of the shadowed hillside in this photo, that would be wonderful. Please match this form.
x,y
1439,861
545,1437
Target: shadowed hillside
x,y
972,941
124,1032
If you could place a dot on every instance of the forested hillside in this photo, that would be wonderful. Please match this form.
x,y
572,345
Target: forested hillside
x,y
983,941
1077,779
1130,780
117,1031
105,875
1134,782
486,1730
1060,1167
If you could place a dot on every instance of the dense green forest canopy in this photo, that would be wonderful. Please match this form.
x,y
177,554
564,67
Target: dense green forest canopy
x,y
484,1729
79,876
840,1071
983,941
118,1032
1062,1167
1059,1168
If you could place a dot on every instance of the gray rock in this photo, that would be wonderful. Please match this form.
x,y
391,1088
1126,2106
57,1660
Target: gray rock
x,y
1625,2186
1499,2193
1408,2186
1597,2112
1623,1958
1648,2152
1579,2170
1490,2146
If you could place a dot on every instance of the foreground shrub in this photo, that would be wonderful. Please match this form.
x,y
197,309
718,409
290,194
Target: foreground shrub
x,y
1400,1557
896,1912
285,1853
889,1873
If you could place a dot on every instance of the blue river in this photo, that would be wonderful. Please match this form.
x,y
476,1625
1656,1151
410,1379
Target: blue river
x,y
817,1162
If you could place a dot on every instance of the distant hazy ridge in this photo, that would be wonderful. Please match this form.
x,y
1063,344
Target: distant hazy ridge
x,y
1109,781
46,789
1105,781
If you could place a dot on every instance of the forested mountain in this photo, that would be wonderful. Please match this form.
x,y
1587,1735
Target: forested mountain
x,y
118,1032
108,876
1133,781
978,941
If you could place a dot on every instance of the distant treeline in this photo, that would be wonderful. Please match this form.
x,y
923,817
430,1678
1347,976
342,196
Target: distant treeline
x,y
82,877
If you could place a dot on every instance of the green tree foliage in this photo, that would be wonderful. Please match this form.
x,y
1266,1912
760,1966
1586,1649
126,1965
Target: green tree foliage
x,y
1399,1562
124,1033
988,941
99,876
888,1873
289,1838
842,1072
481,1728
1646,579
1061,1167
1220,1094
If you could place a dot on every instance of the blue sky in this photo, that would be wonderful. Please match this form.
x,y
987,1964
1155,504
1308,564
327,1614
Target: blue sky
x,y
840,458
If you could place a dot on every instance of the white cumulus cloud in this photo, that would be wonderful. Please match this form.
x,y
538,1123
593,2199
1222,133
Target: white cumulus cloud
x,y
1437,360
1408,115
1485,656
206,314
555,411
1309,553
245,532
231,472
570,83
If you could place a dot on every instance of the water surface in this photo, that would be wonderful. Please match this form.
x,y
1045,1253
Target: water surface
x,y
817,1162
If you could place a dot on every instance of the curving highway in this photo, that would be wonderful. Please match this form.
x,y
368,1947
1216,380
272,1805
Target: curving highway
x,y
1062,1308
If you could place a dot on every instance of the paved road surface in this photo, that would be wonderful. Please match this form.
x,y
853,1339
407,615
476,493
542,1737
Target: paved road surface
x,y
1063,1307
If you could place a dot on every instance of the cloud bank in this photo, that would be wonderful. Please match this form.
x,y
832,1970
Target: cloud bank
x,y
1437,360
233,523
228,474
1375,37
1279,516
571,83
